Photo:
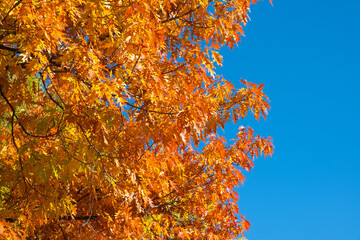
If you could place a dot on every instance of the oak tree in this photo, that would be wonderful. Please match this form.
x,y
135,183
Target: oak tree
x,y
109,119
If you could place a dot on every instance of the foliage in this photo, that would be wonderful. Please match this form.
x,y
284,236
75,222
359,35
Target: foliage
x,y
109,123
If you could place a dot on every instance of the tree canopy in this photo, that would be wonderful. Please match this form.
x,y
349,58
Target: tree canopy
x,y
109,119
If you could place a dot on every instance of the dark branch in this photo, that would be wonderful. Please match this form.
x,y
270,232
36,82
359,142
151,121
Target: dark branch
x,y
180,16
15,50
148,110
67,218
63,232
22,127
12,8
50,96
88,140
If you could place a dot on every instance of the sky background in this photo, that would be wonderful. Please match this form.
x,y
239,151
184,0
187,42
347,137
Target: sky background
x,y
307,54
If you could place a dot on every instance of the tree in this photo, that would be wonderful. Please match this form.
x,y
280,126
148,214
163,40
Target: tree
x,y
109,119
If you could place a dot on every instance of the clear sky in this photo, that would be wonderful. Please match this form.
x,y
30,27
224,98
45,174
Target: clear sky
x,y
308,55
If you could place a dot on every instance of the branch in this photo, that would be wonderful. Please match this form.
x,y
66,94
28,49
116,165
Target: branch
x,y
175,69
50,96
63,232
147,110
15,50
180,16
12,8
22,127
88,140
82,197
67,218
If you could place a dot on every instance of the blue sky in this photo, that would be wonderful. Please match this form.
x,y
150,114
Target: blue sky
x,y
308,55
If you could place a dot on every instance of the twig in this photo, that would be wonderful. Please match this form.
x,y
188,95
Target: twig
x,y
14,50
180,16
88,140
51,97
22,127
148,110
12,8
63,232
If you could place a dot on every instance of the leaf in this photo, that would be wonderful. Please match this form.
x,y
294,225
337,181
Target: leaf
x,y
217,58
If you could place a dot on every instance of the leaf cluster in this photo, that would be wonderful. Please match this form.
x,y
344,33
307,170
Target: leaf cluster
x,y
109,118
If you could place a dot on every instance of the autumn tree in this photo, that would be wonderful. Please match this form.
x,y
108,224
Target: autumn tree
x,y
109,119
